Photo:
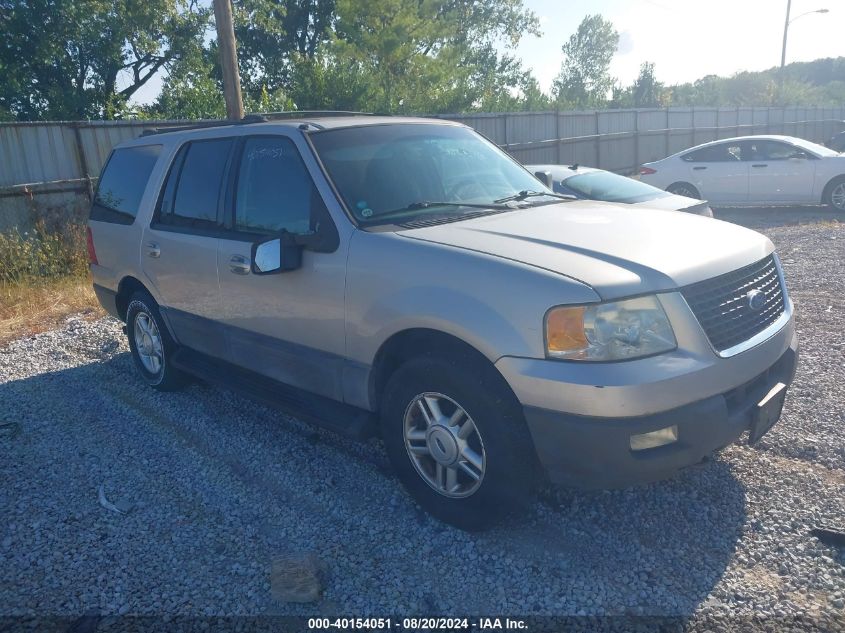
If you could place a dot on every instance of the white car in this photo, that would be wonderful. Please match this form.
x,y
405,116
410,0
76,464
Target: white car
x,y
589,183
753,170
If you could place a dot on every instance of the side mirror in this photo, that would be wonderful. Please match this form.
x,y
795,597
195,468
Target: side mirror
x,y
546,178
277,255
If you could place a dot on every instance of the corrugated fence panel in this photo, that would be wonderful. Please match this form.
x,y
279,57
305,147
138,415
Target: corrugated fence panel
x,y
490,125
618,140
531,127
36,153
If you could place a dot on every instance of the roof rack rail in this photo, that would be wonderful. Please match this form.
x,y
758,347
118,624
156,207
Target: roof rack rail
x,y
262,117
257,117
190,126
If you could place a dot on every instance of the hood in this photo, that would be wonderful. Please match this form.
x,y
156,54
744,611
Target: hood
x,y
619,250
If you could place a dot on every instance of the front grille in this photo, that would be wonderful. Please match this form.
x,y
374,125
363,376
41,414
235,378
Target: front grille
x,y
722,308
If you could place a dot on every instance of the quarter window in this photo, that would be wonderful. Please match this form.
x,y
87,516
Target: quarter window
x,y
123,183
274,189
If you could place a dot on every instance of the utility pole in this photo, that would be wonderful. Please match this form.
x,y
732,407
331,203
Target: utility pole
x,y
782,52
785,33
228,59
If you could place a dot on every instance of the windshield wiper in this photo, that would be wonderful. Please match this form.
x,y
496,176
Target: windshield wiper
x,y
426,204
525,193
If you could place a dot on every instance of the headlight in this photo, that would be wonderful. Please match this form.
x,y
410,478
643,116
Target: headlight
x,y
618,330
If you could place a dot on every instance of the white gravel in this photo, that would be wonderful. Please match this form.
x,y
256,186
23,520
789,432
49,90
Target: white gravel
x,y
219,485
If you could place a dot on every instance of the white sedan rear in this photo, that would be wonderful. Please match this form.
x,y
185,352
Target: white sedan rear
x,y
753,170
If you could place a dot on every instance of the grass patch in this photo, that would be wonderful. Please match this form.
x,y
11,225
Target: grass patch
x,y
43,278
30,308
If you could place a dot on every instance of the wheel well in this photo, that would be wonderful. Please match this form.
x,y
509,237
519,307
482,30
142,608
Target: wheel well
x,y
685,183
409,344
829,186
128,286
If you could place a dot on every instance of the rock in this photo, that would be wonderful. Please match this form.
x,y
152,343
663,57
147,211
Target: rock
x,y
297,578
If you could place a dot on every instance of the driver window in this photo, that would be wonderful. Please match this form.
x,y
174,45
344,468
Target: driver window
x,y
773,150
274,189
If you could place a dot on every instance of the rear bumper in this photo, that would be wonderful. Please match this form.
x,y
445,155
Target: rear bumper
x,y
596,452
107,299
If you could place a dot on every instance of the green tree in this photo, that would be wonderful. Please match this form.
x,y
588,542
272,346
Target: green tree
x,y
584,80
646,91
275,35
77,59
432,55
190,90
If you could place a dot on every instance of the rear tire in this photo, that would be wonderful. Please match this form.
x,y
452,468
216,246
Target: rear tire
x,y
834,195
684,189
458,441
151,344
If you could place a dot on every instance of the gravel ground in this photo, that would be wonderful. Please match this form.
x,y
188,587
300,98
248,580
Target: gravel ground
x,y
219,486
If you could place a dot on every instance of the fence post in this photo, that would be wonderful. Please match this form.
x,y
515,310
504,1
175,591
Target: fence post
x,y
598,142
83,160
636,141
557,135
666,133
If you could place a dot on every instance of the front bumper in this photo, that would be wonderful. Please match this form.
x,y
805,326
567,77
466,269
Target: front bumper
x,y
595,452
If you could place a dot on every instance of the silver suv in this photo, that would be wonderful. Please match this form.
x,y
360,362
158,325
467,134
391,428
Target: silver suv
x,y
407,277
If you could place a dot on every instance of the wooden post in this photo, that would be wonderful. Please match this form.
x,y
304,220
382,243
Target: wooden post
x,y
228,59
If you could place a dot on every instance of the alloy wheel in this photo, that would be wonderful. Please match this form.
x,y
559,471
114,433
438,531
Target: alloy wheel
x,y
837,196
148,343
444,445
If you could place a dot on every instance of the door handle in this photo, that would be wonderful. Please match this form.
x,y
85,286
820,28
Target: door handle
x,y
759,166
698,168
153,250
239,265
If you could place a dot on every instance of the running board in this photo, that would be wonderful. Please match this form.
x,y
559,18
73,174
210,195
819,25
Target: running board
x,y
335,416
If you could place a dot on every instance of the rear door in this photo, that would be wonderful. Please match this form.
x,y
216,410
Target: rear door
x,y
288,326
780,172
179,248
719,173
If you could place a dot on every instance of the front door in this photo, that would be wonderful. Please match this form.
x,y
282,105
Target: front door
x,y
179,248
288,326
780,172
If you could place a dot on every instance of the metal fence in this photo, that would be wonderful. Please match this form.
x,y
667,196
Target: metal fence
x,y
53,165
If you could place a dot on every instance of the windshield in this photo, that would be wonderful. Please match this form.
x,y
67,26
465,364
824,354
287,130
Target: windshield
x,y
610,187
385,172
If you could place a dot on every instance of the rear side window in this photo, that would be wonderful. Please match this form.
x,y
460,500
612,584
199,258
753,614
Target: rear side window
x,y
192,192
722,153
123,182
274,188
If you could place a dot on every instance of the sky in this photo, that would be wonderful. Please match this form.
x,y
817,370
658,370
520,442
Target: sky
x,y
688,39
685,39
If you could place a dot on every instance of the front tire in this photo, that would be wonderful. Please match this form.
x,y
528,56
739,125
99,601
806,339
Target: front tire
x,y
835,194
457,441
151,344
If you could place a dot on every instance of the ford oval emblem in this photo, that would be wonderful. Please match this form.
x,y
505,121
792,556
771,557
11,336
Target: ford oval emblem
x,y
756,299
